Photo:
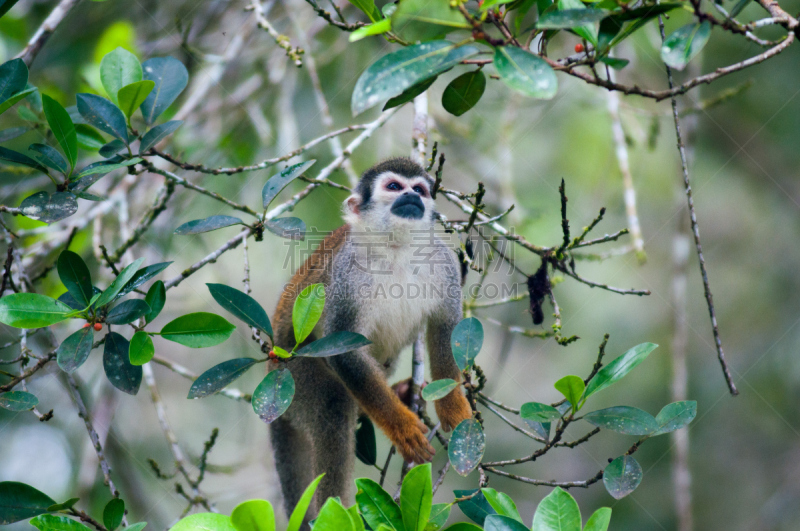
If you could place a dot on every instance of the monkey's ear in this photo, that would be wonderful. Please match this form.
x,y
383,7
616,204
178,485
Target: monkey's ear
x,y
352,208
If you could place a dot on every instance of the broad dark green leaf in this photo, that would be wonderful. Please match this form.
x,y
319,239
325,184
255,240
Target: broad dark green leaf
x,y
116,363
366,448
118,69
13,78
299,511
75,276
410,93
253,515
157,134
736,9
12,133
18,158
18,401
615,62
537,412
170,77
218,377
440,512
198,330
425,20
466,341
141,276
502,503
127,312
141,349
571,18
289,227
274,395
52,522
377,506
464,92
279,181
156,298
525,72
63,129
112,148
610,34
684,44
395,72
369,9
42,206
104,115
333,517
416,498
572,388
31,310
586,31
50,157
439,389
113,513
242,306
70,301
130,97
476,508
496,522
623,419
675,416
73,351
463,526
617,369
466,447
622,476
104,167
208,224
558,511
63,505
307,310
204,522
110,293
19,501
10,102
333,344
599,520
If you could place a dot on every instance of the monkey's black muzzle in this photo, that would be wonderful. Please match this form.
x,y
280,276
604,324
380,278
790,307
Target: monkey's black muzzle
x,y
409,206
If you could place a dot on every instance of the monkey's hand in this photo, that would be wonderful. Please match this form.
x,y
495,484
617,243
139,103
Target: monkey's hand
x,y
403,390
407,433
452,409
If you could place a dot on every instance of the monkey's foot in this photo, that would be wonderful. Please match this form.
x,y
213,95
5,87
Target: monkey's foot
x,y
407,433
452,409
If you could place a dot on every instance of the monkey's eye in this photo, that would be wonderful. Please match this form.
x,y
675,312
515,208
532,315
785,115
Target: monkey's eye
x,y
420,190
394,186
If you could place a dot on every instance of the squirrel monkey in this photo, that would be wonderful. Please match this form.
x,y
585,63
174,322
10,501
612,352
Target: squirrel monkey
x,y
379,285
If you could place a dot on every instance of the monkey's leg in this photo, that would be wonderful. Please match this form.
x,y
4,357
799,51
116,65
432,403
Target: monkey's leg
x,y
292,450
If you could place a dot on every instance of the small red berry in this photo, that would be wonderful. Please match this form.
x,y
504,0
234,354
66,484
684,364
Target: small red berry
x,y
98,327
579,48
272,355
87,325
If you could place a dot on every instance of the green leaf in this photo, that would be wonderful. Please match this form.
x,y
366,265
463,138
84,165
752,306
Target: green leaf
x,y
50,157
63,506
333,344
622,476
279,181
684,44
118,69
157,134
242,306
253,515
106,167
369,9
377,506
141,349
110,293
88,137
18,401
489,4
358,522
73,351
395,72
740,5
615,62
141,276
366,448
586,31
440,512
204,522
63,129
299,512
31,310
13,78
218,377
274,395
439,389
116,363
18,158
112,148
571,18
476,508
51,522
208,224
623,419
466,341
617,369
572,388
558,511
496,522
464,92
416,498
113,513
136,527
410,93
13,132
198,330
307,310
425,20
103,115
463,526
333,517
130,97
170,77
599,520
281,352
382,26
537,412
10,102
156,298
127,312
49,208
288,227
502,503
19,501
75,276
525,72
466,447
675,416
